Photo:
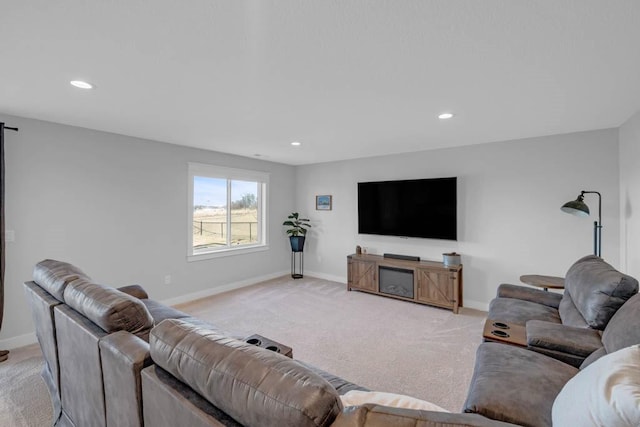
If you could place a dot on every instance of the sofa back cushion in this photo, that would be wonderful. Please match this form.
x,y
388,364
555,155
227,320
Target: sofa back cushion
x,y
597,290
108,308
255,386
53,276
623,329
569,313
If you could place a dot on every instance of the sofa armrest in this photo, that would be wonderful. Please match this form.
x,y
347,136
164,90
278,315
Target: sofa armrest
x,y
550,299
376,415
123,355
135,291
566,343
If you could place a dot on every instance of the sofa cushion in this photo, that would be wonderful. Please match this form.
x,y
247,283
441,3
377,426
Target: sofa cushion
x,y
601,352
53,276
519,311
606,392
597,290
622,330
515,385
159,311
507,290
107,307
566,339
357,397
570,315
257,387
341,385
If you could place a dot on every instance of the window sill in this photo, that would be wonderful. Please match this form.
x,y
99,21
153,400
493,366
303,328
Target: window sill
x,y
227,252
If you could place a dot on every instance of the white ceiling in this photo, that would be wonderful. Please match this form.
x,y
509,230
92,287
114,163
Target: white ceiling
x,y
350,78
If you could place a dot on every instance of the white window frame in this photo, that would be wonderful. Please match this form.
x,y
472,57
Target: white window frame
x,y
221,172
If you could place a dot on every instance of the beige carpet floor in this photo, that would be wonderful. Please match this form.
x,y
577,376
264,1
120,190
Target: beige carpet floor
x,y
380,343
24,399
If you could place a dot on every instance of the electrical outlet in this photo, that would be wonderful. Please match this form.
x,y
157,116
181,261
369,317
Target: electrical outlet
x,y
167,279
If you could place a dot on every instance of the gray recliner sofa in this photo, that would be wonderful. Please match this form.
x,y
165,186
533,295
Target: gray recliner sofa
x,y
567,326
519,386
94,343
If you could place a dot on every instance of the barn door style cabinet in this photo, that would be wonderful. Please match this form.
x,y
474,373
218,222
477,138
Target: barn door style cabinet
x,y
424,282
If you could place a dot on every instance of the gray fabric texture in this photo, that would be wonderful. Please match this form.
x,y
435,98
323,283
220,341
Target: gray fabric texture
x,y
256,387
622,330
569,313
563,338
515,385
568,358
107,307
519,311
597,289
593,357
53,276
539,296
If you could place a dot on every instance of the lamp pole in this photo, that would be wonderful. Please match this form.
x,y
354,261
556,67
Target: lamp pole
x,y
597,225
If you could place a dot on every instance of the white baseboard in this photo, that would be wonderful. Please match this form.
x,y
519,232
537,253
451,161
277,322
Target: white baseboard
x,y
482,306
324,276
19,341
220,289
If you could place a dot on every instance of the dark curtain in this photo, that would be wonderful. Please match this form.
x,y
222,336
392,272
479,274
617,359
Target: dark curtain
x,y
1,223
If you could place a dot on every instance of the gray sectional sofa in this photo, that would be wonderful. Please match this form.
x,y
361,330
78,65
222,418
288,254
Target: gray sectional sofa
x,y
567,326
114,357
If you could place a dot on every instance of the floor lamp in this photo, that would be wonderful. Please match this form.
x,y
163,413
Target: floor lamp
x,y
579,208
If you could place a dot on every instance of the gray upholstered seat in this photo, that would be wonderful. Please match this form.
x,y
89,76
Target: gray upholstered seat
x,y
518,311
594,290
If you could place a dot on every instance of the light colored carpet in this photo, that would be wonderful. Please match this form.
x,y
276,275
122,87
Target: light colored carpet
x,y
380,343
24,399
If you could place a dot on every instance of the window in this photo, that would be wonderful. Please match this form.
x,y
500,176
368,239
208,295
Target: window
x,y
227,211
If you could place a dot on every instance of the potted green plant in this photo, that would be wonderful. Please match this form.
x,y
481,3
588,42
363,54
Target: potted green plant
x,y
297,230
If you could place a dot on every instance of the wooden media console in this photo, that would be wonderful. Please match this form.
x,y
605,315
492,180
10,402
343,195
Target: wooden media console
x,y
424,282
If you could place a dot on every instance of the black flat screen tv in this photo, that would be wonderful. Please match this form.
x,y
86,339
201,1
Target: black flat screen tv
x,y
424,208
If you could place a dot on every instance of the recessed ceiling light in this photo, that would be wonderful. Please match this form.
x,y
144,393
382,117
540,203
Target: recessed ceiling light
x,y
296,143
445,116
81,84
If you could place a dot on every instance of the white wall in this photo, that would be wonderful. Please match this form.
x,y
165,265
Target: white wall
x,y
509,198
116,207
629,135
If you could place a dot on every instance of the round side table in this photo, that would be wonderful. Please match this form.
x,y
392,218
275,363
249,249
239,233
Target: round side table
x,y
544,282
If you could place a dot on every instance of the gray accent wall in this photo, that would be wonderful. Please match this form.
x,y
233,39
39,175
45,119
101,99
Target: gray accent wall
x,y
116,207
509,198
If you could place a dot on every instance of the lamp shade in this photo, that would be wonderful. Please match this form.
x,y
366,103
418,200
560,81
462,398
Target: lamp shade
x,y
576,207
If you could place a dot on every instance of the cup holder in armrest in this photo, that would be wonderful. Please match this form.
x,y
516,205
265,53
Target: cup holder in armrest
x,y
254,341
501,334
500,325
273,348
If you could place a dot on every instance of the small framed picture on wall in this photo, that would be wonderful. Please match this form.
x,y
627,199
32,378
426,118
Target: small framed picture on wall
x,y
323,203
